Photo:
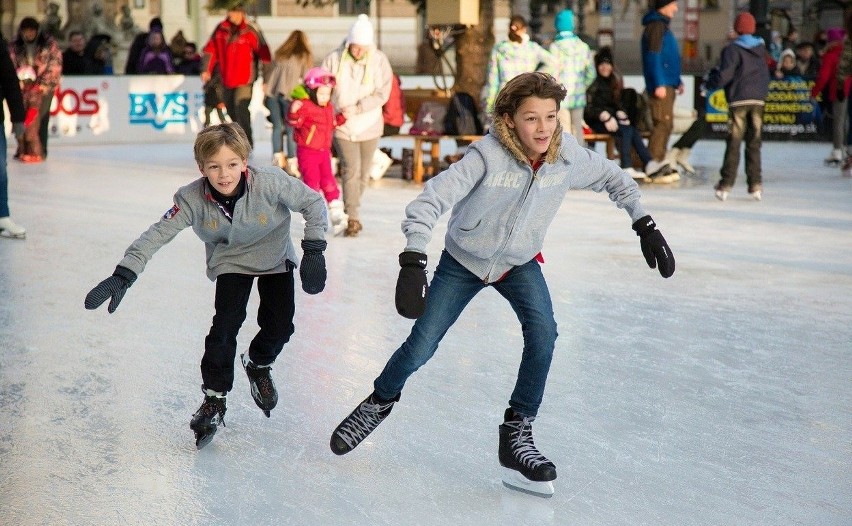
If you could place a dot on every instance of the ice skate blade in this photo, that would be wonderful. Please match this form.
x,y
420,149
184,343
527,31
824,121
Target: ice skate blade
x,y
9,235
202,439
515,481
267,413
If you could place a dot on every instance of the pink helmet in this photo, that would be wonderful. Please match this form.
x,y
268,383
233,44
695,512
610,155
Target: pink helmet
x,y
316,77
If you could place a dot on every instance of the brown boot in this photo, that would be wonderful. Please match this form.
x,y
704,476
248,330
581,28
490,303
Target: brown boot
x,y
352,228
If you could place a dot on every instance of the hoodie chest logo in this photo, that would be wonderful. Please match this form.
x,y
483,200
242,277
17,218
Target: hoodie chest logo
x,y
551,179
212,224
262,219
503,180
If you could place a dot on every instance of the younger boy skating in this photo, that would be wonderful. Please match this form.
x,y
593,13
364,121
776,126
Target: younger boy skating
x,y
243,216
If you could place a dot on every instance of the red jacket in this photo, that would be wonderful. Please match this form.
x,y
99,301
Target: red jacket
x,y
393,112
313,124
828,72
236,51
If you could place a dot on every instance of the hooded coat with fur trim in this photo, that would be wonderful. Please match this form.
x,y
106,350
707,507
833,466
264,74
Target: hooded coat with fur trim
x,y
501,208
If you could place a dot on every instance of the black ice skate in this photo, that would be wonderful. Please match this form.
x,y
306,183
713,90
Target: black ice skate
x,y
524,468
262,387
206,420
360,423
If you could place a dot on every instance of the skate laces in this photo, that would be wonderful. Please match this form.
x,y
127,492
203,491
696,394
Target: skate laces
x,y
522,444
211,406
363,421
261,377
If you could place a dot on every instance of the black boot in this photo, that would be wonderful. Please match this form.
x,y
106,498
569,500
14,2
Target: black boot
x,y
262,387
360,423
525,468
206,420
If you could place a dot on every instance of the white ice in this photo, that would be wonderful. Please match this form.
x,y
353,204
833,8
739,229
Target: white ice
x,y
720,396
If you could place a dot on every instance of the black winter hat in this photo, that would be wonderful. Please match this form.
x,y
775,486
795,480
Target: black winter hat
x,y
659,4
604,55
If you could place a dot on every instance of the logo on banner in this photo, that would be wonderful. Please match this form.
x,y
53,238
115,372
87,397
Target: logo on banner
x,y
76,102
159,111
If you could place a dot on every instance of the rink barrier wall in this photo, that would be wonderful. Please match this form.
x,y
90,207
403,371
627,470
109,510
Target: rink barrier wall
x,y
139,109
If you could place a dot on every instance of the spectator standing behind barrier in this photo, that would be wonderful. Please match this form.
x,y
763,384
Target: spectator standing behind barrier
x,y
605,113
512,57
290,62
743,74
156,58
10,91
74,60
661,69
363,76
190,61
575,70
834,94
38,61
236,47
138,44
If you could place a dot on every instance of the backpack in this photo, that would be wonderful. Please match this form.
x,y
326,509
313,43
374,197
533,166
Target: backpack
x,y
462,117
430,118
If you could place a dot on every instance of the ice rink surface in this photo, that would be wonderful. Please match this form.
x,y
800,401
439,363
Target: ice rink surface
x,y
720,396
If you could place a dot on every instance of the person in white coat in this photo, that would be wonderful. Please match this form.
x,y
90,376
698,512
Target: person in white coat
x,y
363,76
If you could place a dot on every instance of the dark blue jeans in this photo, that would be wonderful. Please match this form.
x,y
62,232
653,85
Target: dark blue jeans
x,y
452,288
745,123
274,317
627,139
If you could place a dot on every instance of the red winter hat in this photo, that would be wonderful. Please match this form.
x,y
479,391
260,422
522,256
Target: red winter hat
x,y
744,24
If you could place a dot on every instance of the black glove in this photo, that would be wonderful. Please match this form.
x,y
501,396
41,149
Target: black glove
x,y
113,287
654,246
312,271
411,286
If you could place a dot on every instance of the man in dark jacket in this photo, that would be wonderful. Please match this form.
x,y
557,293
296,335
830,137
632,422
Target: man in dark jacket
x,y
10,91
661,69
236,47
743,74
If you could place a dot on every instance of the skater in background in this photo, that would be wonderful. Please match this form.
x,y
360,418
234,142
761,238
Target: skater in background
x,y
743,74
236,48
575,67
509,58
290,62
834,94
38,61
243,216
363,75
10,91
502,195
214,99
842,79
313,120
661,70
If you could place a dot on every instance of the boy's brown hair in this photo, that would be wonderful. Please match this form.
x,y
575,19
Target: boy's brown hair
x,y
210,140
533,84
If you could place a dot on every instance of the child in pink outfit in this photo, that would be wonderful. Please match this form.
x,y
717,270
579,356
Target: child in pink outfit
x,y
313,121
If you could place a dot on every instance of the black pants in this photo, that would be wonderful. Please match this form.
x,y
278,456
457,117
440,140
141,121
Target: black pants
x,y
274,316
237,101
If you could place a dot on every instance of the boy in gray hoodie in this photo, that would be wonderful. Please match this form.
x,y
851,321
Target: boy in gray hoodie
x,y
242,214
503,194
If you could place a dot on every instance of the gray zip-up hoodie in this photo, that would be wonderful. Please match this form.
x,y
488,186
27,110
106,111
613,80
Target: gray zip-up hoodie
x,y
501,210
256,240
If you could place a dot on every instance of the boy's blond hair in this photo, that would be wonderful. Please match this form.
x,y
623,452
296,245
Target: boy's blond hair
x,y
210,140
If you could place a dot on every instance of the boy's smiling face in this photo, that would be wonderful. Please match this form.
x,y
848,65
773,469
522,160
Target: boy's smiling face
x,y
224,171
534,123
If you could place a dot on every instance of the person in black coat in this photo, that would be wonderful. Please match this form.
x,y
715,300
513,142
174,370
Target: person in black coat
x,y
138,44
74,59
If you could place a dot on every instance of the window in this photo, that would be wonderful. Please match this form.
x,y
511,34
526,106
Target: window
x,y
353,7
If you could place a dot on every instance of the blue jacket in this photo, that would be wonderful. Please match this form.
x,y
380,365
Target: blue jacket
x,y
501,210
660,54
742,72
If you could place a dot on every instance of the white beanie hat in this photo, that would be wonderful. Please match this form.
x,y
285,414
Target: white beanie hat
x,y
361,32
